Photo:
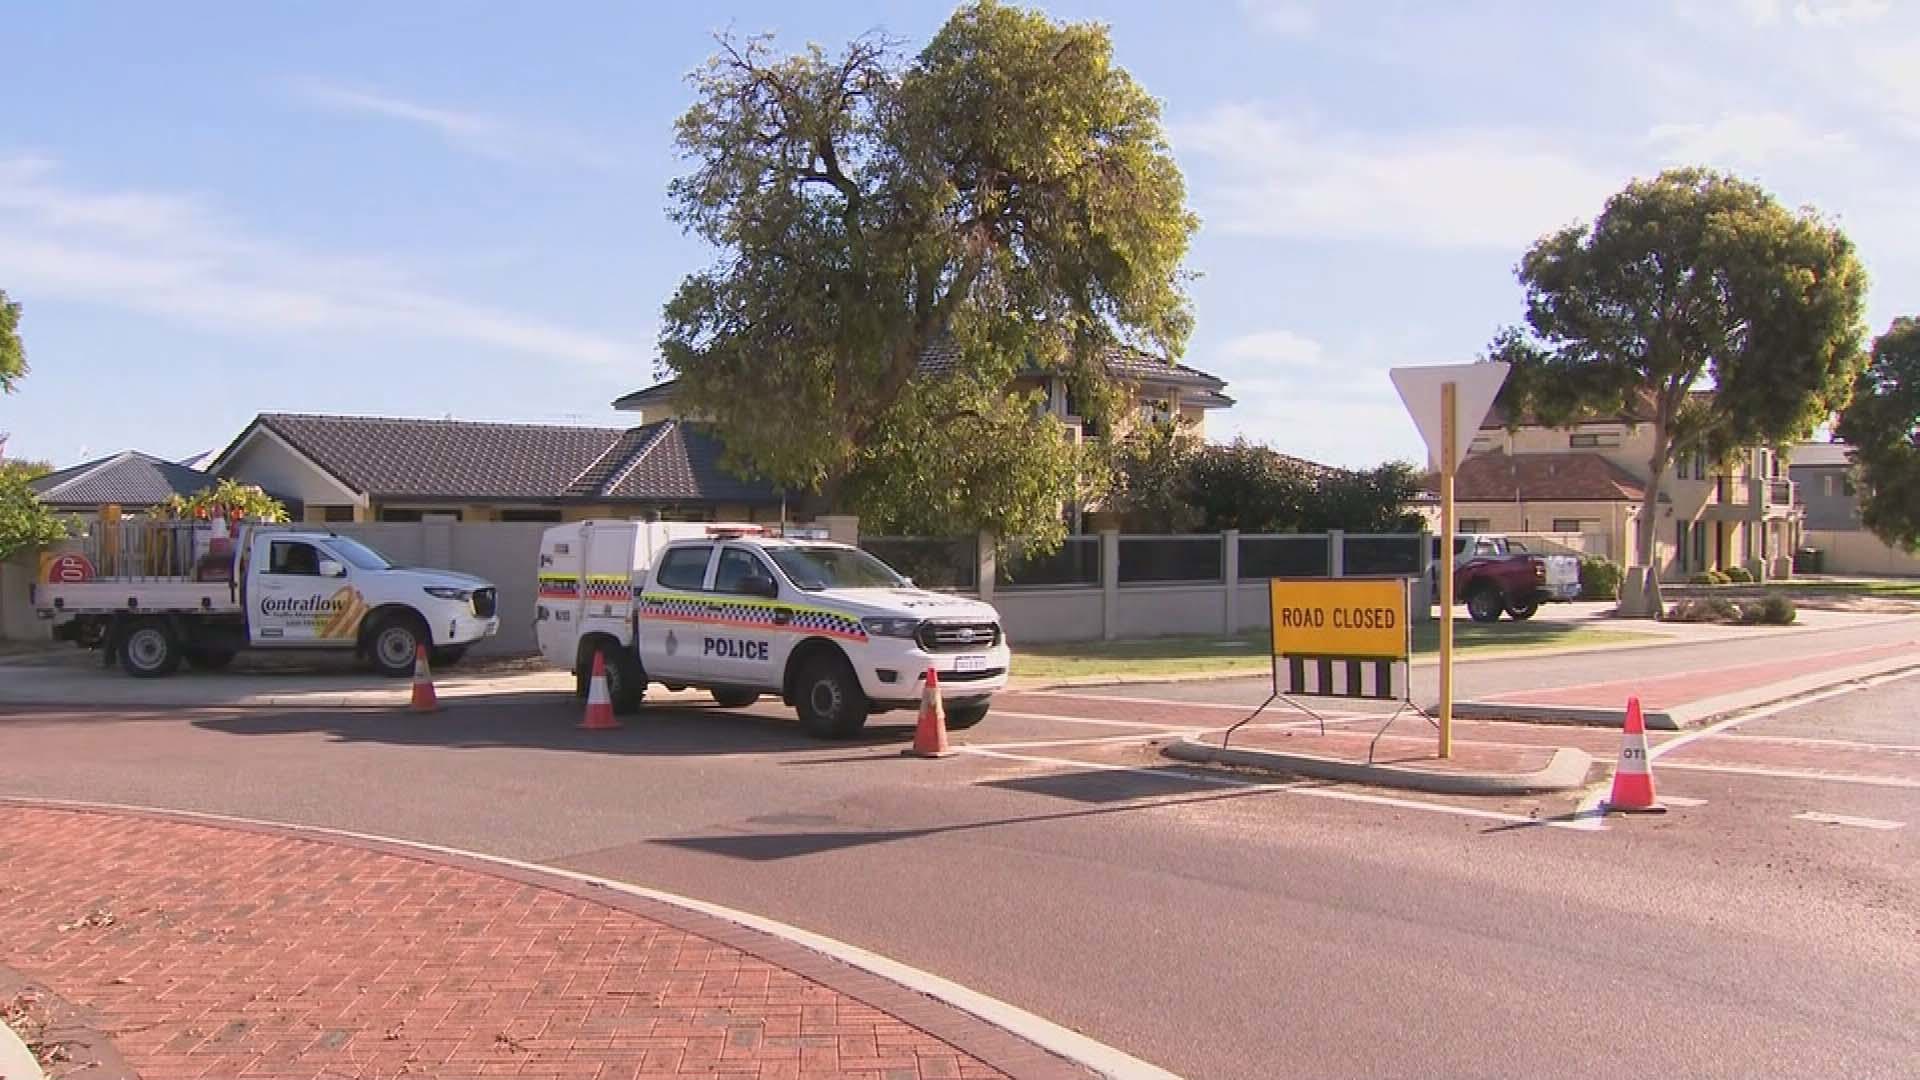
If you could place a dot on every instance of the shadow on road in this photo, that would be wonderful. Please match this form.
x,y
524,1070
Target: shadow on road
x,y
668,731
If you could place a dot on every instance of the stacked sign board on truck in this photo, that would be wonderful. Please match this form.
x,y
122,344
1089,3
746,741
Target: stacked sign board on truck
x,y
264,588
737,611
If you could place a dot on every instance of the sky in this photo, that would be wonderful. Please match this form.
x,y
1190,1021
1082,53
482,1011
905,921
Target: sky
x,y
210,210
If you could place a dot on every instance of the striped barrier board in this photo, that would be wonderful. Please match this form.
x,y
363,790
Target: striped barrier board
x,y
1334,676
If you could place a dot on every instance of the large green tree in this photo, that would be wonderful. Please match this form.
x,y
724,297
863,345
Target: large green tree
x,y
1690,281
1883,424
13,355
1007,193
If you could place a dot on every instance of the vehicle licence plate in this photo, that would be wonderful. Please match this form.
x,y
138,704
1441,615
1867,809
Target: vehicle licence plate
x,y
969,663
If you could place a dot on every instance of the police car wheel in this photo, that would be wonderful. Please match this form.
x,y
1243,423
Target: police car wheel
x,y
734,699
962,717
829,699
626,682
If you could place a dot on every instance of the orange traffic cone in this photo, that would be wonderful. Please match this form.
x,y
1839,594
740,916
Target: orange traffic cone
x,y
599,700
1633,776
424,699
930,735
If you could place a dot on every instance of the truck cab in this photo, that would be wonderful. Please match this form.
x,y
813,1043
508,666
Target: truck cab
x,y
1494,574
828,628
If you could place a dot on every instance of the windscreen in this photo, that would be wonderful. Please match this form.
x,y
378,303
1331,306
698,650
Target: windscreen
x,y
816,568
357,553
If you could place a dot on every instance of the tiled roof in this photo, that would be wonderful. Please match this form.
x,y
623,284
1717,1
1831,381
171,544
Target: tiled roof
x,y
1574,476
941,357
396,458
130,479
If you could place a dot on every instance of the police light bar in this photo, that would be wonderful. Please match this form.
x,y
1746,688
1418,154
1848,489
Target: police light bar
x,y
725,531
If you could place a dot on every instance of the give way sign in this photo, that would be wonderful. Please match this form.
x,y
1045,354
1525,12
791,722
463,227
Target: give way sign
x,y
1474,388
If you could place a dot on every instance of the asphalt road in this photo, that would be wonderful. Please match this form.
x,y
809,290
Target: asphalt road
x,y
1217,928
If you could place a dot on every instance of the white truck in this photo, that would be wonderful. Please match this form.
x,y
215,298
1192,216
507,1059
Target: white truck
x,y
739,612
153,594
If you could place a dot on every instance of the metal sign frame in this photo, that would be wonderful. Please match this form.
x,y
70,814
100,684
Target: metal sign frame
x,y
1403,663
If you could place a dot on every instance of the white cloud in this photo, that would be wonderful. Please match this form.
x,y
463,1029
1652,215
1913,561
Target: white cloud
x,y
1839,12
170,257
472,132
1288,18
1450,188
1745,138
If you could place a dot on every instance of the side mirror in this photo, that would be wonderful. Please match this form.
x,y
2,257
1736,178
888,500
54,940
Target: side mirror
x,y
330,568
763,587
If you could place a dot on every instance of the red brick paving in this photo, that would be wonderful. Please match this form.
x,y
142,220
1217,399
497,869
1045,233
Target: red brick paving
x,y
259,955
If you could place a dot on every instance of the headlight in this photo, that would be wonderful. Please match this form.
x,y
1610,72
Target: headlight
x,y
449,592
890,626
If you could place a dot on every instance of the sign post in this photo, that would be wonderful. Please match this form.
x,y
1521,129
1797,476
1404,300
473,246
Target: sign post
x,y
1440,397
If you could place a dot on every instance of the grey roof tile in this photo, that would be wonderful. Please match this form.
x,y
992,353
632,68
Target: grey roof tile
x,y
130,479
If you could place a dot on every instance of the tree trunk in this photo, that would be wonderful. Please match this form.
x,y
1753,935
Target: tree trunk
x,y
1648,553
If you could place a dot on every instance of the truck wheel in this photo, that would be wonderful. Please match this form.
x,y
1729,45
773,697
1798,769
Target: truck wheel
x,y
150,650
626,678
392,643
1484,604
1524,611
209,659
734,699
829,699
962,717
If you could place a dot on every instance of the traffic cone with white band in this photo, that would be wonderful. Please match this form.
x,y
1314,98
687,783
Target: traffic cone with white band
x,y
1633,776
599,700
930,735
424,699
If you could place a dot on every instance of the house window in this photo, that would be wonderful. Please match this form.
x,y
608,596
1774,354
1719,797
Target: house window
x,y
1156,411
1476,525
1680,546
414,513
1592,440
1571,525
339,513
1700,546
530,515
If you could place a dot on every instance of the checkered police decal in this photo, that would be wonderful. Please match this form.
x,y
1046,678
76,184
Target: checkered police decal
x,y
609,587
751,613
559,587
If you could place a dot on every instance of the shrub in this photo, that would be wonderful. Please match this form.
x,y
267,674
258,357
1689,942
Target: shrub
x,y
1599,579
1776,609
1709,577
1739,575
1704,609
1751,612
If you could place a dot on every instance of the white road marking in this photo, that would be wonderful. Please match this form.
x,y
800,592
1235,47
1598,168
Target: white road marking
x,y
1066,1043
1797,774
1172,729
1681,800
1774,709
1807,740
1302,787
1847,819
1101,740
1241,709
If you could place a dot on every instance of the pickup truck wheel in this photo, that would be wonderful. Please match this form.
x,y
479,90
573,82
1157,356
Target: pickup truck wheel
x,y
150,650
734,699
626,679
962,717
1523,612
1484,604
392,643
209,659
829,699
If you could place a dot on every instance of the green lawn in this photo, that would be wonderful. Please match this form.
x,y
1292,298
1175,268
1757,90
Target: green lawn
x,y
1893,588
1183,655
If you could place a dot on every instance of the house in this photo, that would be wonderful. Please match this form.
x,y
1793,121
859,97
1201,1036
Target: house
x,y
1157,390
374,468
1589,478
1823,478
130,480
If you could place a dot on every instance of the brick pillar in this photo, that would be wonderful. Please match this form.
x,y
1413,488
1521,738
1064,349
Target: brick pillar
x,y
1109,584
1230,565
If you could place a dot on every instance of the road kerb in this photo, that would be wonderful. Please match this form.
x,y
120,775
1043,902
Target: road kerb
x,y
1565,771
1690,715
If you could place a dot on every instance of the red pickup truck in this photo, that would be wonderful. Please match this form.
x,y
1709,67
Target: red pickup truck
x,y
1492,574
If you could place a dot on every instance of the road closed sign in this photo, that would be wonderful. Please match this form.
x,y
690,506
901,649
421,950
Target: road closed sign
x,y
1341,617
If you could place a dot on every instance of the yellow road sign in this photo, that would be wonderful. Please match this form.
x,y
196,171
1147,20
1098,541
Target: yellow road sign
x,y
1354,617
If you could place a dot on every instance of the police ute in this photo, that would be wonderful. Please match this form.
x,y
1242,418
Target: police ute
x,y
742,612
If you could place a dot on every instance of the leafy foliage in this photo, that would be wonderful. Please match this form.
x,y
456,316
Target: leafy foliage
x,y
1008,192
25,468
1153,479
227,499
1599,578
1739,575
1688,280
13,355
25,522
1883,424
1169,483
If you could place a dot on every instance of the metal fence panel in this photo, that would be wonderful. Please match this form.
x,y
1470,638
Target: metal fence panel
x,y
1076,563
1146,559
1383,554
1284,556
933,562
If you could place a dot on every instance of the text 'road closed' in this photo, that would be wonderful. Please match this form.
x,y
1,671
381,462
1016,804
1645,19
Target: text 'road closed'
x,y
1355,617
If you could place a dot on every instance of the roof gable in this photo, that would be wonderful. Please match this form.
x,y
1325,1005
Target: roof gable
x,y
129,478
1560,477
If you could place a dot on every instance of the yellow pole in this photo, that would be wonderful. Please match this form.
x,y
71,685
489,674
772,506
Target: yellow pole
x,y
1447,421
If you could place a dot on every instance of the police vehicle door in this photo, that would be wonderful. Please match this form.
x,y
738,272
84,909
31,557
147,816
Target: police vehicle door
x,y
746,648
674,616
